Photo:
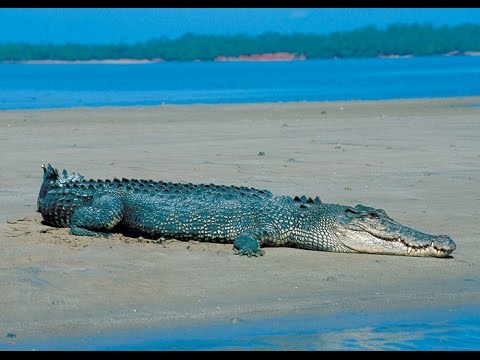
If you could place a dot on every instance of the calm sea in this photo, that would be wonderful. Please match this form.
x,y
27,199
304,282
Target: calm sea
x,y
29,86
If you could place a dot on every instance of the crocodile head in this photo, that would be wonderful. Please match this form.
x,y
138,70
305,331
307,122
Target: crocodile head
x,y
365,229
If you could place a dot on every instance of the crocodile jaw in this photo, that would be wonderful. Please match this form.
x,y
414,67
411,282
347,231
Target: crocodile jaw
x,y
363,241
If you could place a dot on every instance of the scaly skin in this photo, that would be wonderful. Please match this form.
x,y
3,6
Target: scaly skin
x,y
247,217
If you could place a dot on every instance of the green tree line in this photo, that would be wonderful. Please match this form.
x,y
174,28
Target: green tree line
x,y
399,39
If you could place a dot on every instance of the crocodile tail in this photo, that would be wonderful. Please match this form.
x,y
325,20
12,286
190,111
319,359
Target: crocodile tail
x,y
53,178
49,172
50,177
52,174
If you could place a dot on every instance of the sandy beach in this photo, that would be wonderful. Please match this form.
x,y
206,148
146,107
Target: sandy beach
x,y
419,160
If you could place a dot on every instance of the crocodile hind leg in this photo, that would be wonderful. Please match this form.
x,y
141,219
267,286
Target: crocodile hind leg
x,y
101,216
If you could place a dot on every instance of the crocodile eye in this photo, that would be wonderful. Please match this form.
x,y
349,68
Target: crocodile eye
x,y
351,211
373,214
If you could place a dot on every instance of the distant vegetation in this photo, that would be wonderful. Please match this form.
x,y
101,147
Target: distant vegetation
x,y
398,39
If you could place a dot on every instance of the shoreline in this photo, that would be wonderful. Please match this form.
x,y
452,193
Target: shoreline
x,y
377,329
91,61
471,101
418,159
266,57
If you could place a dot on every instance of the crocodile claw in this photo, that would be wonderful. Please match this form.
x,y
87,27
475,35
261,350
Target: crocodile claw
x,y
249,252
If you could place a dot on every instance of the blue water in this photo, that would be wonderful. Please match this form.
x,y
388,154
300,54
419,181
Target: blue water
x,y
432,329
30,86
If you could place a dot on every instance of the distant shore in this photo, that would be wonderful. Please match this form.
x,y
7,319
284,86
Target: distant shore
x,y
92,61
281,56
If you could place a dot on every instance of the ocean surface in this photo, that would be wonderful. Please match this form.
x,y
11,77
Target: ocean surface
x,y
35,86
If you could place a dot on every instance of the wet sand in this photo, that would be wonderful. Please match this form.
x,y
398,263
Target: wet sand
x,y
419,160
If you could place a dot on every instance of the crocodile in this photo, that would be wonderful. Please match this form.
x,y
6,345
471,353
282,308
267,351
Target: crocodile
x,y
249,218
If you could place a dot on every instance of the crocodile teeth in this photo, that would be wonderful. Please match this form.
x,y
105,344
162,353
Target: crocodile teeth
x,y
409,249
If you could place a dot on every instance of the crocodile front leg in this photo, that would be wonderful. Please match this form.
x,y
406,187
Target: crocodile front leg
x,y
249,242
102,215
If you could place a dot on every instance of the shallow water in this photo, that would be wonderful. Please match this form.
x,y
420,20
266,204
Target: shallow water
x,y
433,329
